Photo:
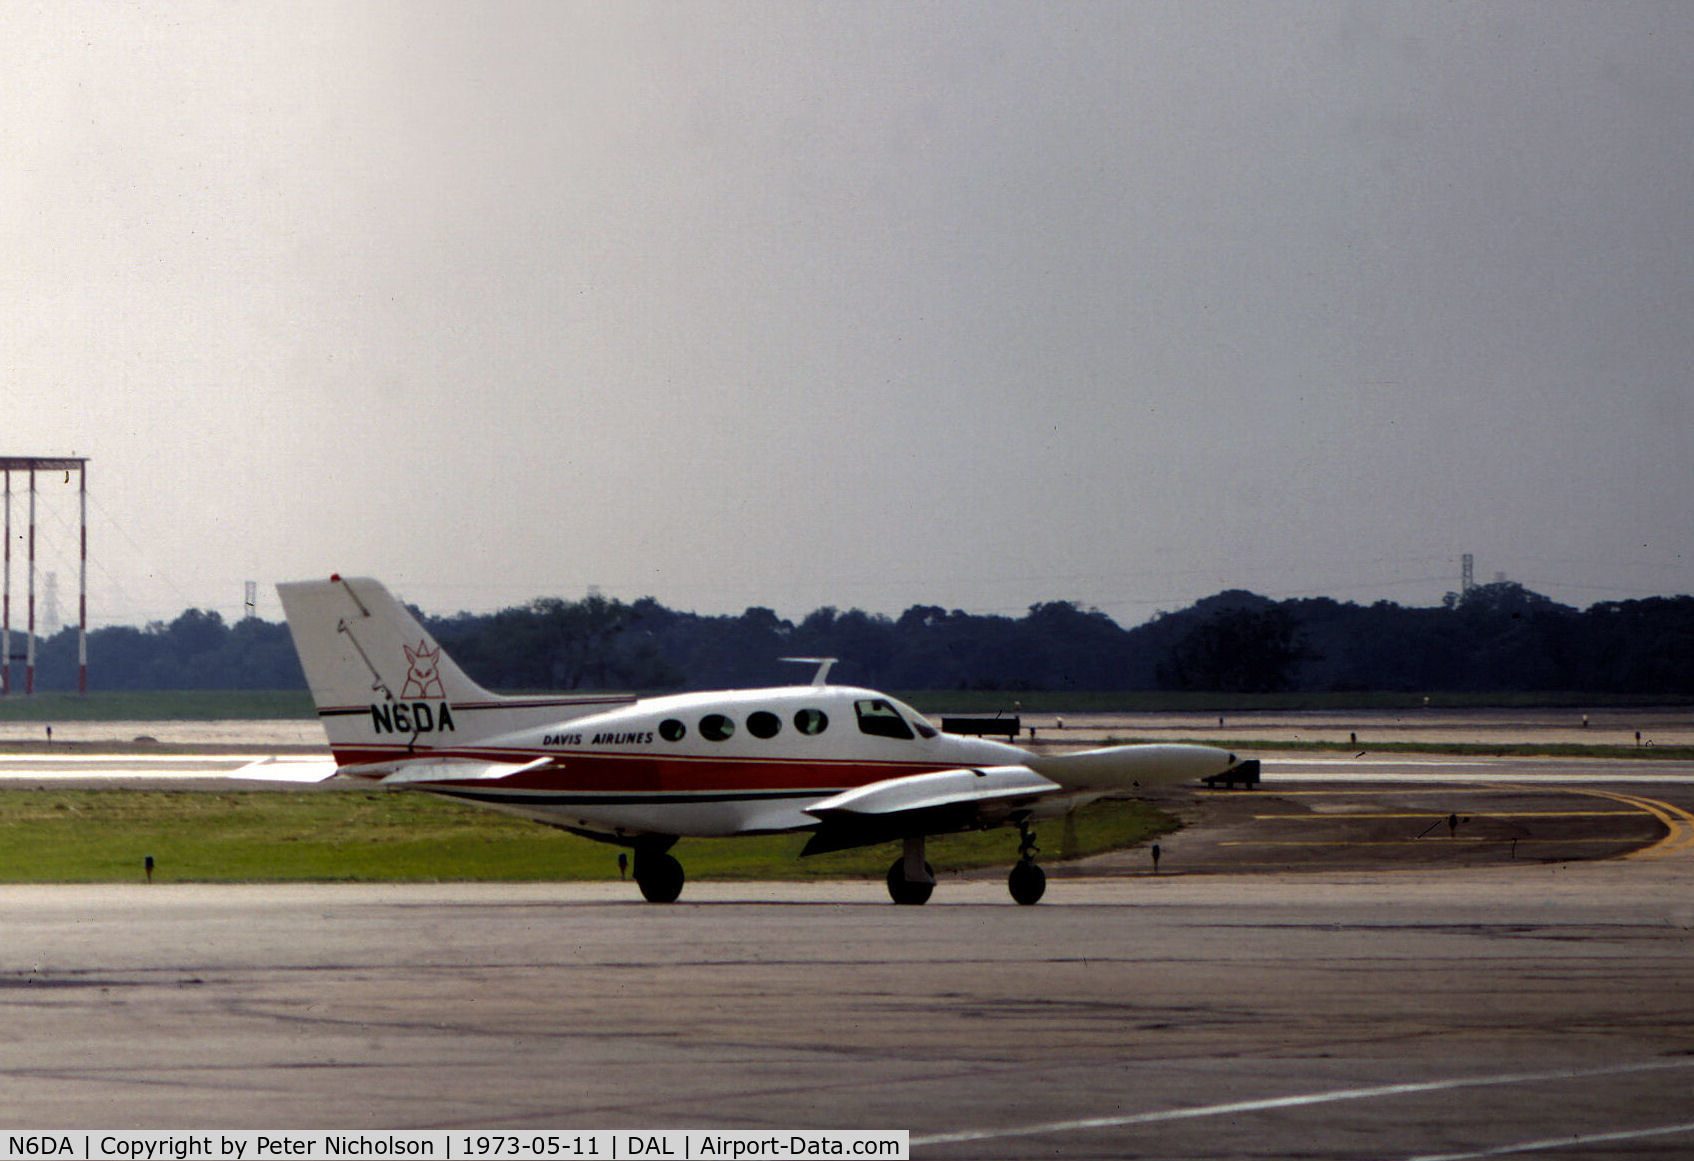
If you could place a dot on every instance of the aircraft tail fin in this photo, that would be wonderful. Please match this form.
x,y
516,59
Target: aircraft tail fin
x,y
386,691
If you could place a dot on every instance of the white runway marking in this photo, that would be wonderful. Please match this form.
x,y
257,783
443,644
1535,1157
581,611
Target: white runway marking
x,y
147,759
1560,1143
1437,762
1383,760
121,767
1234,1108
1467,773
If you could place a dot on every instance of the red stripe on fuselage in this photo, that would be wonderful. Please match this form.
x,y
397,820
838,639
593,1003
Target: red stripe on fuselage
x,y
651,773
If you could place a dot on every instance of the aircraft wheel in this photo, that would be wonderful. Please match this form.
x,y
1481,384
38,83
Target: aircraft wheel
x,y
660,878
1028,882
903,890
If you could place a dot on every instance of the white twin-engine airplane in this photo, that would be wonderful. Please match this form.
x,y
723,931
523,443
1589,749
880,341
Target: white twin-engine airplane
x,y
852,766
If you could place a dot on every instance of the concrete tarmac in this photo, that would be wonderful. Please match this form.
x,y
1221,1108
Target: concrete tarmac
x,y
1325,969
1316,1014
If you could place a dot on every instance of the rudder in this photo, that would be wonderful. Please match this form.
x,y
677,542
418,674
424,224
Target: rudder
x,y
385,689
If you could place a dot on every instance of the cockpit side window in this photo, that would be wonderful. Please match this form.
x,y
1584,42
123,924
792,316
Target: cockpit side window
x,y
880,719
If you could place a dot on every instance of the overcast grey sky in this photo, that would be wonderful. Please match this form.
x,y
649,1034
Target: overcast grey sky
x,y
969,304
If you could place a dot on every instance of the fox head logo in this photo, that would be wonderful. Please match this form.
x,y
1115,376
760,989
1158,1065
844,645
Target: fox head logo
x,y
423,677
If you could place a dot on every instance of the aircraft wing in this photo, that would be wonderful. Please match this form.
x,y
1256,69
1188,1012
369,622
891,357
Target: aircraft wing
x,y
416,770
974,799
933,803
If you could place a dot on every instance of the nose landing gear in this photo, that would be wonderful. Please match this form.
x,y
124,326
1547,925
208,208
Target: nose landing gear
x,y
1027,882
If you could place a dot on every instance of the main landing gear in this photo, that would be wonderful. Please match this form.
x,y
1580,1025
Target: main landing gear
x,y
657,873
911,880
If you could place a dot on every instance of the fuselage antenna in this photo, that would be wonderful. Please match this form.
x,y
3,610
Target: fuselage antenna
x,y
821,677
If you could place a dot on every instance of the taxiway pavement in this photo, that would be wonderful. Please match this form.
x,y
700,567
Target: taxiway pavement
x,y
1317,1014
1361,984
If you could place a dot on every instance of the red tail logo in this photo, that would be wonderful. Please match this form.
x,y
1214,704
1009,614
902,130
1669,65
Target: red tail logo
x,y
423,677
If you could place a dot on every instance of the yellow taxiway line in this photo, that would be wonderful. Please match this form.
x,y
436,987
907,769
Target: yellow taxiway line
x,y
1679,824
1415,842
1440,816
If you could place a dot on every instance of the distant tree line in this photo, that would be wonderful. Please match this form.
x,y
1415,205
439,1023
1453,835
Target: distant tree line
x,y
1496,637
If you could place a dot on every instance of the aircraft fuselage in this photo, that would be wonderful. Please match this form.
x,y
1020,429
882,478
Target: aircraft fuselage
x,y
706,764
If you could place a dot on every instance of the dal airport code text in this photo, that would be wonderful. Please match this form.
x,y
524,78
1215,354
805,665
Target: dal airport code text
x,y
254,1145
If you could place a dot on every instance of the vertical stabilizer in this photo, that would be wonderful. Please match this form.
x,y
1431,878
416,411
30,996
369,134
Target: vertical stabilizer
x,y
384,688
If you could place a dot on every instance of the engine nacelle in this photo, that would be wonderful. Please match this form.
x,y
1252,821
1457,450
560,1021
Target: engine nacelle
x,y
1133,767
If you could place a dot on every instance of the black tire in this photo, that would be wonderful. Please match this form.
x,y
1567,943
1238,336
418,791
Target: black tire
x,y
659,876
1027,882
903,890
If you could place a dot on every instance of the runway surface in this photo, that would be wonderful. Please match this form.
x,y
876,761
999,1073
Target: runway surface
x,y
1195,1016
1325,968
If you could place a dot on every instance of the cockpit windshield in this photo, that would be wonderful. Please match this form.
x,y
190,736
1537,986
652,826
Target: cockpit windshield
x,y
880,719
883,718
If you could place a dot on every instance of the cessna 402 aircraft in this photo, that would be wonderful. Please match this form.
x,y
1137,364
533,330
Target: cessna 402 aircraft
x,y
852,766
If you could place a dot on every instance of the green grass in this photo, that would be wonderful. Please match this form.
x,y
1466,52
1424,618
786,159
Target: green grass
x,y
82,836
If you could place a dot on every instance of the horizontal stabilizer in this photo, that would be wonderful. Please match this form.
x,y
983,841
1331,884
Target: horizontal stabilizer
x,y
453,770
286,769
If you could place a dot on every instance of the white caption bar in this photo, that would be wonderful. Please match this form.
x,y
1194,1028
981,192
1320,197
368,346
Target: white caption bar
x,y
522,1144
